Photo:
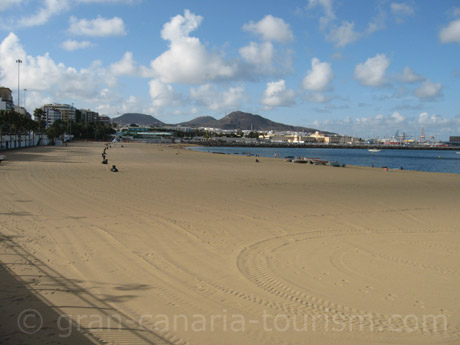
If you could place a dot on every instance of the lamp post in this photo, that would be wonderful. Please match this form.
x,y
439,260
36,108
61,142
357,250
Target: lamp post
x,y
25,94
19,62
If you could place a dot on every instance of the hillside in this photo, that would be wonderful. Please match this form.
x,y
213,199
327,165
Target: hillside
x,y
246,121
234,120
201,121
138,119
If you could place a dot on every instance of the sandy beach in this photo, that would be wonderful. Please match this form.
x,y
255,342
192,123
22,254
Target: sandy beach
x,y
183,247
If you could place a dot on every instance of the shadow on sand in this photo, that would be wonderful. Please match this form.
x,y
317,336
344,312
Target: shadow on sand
x,y
29,318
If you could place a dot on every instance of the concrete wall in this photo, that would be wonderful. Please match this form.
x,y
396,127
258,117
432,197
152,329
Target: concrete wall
x,y
13,141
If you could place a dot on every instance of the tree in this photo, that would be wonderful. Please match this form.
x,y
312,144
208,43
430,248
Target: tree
x,y
55,130
39,114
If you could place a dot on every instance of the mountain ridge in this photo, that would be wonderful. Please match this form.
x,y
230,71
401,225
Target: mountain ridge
x,y
235,120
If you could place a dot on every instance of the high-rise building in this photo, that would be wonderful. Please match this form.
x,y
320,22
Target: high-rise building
x,y
50,115
67,111
6,99
89,116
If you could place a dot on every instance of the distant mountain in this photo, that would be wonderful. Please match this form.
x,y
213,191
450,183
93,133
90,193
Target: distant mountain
x,y
138,119
234,120
200,121
246,121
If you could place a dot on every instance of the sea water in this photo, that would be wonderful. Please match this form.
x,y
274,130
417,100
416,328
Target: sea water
x,y
420,160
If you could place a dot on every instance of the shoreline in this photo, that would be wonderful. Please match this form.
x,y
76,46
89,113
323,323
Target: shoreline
x,y
327,146
191,148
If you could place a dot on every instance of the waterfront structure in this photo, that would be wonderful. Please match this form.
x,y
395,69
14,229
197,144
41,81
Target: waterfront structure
x,y
88,116
21,110
67,111
6,99
50,115
105,120
455,140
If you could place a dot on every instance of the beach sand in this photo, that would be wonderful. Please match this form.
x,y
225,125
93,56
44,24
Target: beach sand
x,y
182,247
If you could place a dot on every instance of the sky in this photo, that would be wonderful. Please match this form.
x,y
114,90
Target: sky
x,y
365,68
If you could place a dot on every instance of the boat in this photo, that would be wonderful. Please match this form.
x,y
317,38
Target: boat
x,y
300,160
458,153
374,150
336,164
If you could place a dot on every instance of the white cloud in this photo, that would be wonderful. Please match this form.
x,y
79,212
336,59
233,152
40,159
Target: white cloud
x,y
373,126
43,14
318,97
319,76
451,33
46,79
163,95
260,55
208,95
372,72
187,60
409,76
72,45
126,66
100,27
271,29
386,125
45,10
428,90
278,95
326,5
425,119
5,4
343,35
401,9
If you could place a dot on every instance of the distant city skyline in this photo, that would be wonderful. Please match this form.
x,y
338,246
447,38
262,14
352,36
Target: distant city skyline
x,y
361,68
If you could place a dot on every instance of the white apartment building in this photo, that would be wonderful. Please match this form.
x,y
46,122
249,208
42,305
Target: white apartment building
x,y
67,111
51,115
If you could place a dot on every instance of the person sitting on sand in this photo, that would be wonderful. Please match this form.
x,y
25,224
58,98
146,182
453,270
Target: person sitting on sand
x,y
114,168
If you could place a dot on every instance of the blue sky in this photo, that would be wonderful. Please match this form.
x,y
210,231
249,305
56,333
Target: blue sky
x,y
361,67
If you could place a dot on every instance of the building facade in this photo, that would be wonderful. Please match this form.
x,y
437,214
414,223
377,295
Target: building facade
x,y
105,120
6,99
88,116
67,111
454,139
50,115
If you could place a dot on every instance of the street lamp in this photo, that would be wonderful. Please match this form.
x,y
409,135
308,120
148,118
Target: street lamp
x,y
19,62
25,94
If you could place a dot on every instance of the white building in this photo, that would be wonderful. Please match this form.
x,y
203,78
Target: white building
x,y
51,115
67,111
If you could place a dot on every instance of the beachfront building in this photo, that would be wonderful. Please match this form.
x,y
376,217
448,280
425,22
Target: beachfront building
x,y
68,112
22,110
50,115
6,99
320,138
105,120
88,116
454,140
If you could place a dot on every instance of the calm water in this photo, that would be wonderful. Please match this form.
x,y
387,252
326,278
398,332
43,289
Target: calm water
x,y
420,160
